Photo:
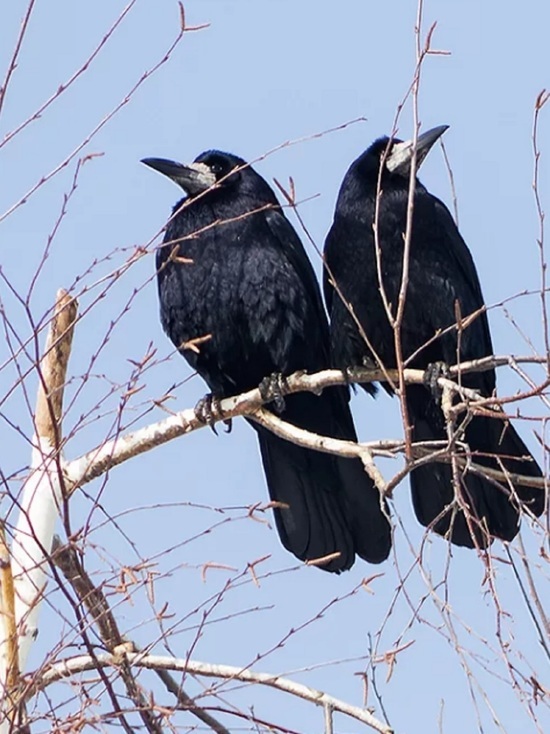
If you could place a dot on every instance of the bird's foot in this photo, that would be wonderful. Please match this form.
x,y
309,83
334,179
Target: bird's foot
x,y
208,410
352,373
369,362
349,375
272,389
433,372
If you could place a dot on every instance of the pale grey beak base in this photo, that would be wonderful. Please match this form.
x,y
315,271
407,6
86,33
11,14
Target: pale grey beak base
x,y
400,157
193,179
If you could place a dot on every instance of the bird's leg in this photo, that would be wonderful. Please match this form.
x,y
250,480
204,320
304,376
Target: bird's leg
x,y
369,362
272,389
433,372
208,410
349,375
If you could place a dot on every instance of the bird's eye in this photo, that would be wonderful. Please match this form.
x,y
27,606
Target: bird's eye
x,y
216,169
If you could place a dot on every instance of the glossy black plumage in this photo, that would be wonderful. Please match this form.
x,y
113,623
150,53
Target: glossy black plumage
x,y
441,274
251,288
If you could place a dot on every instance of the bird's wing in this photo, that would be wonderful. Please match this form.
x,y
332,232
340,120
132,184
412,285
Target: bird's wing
x,y
330,252
465,264
293,249
291,246
462,282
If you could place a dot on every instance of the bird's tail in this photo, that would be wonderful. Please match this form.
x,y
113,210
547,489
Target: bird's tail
x,y
367,511
484,508
326,505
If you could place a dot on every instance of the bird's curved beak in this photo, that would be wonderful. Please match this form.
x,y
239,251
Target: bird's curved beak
x,y
193,179
400,158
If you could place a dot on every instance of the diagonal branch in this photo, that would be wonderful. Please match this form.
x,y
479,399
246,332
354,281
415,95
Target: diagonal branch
x,y
97,462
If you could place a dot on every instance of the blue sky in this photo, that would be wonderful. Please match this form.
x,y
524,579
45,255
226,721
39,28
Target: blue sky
x,y
261,74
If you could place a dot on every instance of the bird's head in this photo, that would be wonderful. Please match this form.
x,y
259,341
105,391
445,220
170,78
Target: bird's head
x,y
396,155
211,170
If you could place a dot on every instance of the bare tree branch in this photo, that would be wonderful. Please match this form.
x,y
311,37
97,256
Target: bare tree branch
x,y
110,454
82,663
67,559
42,497
10,656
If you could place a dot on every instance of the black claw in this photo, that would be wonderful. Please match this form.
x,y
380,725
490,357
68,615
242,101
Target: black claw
x,y
272,390
349,374
208,410
370,363
433,372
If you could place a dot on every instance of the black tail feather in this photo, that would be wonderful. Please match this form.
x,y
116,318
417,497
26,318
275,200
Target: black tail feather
x,y
485,509
312,523
368,512
332,505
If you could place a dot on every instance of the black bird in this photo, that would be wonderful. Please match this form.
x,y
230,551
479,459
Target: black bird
x,y
442,282
247,284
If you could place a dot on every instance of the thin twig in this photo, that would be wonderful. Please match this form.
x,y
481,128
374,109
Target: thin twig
x,y
67,559
18,44
129,95
541,100
533,589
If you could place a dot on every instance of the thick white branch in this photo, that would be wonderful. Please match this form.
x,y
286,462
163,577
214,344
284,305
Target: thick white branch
x,y
83,663
32,542
100,460
40,501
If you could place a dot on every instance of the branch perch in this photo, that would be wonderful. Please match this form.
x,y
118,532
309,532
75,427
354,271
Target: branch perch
x,y
101,459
